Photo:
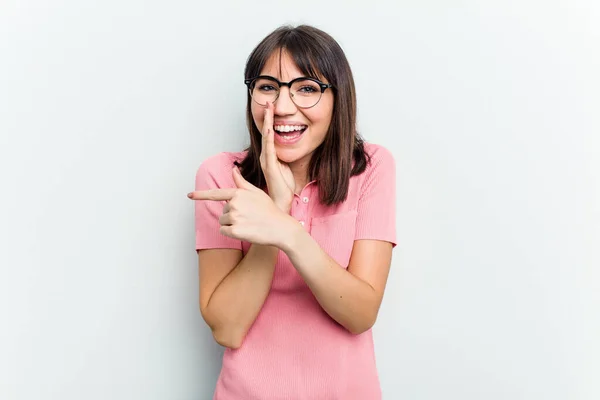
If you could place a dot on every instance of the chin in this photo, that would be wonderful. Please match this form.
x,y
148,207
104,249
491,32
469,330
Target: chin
x,y
289,156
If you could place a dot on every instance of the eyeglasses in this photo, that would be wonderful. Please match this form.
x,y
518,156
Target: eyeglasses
x,y
305,92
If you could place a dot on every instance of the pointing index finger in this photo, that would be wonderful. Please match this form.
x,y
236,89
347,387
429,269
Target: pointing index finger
x,y
212,194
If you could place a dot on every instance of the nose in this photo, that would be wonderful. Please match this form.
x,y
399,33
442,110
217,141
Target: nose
x,y
284,104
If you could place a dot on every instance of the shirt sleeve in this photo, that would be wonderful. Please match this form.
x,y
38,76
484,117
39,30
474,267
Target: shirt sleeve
x,y
376,217
214,173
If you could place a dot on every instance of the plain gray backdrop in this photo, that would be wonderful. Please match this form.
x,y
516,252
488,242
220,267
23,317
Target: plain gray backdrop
x,y
107,108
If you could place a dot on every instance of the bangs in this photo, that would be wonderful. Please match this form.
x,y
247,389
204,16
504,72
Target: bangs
x,y
311,57
304,57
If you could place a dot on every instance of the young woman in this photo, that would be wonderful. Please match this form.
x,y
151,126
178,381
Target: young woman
x,y
295,234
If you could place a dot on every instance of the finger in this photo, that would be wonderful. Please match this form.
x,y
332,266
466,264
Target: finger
x,y
240,182
226,219
268,119
227,230
226,208
271,155
267,135
212,194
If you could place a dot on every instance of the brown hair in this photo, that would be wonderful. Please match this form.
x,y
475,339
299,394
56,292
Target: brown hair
x,y
342,154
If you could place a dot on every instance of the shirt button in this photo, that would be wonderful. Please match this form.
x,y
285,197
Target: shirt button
x,y
305,199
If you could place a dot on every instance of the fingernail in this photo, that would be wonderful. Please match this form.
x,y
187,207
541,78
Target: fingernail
x,y
189,195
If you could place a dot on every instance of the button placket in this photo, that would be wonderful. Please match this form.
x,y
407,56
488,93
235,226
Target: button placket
x,y
297,211
303,208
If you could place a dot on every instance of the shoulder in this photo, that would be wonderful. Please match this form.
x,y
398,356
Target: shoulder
x,y
216,170
379,174
220,163
379,157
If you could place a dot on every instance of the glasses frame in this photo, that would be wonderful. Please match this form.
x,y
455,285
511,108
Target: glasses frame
x,y
324,86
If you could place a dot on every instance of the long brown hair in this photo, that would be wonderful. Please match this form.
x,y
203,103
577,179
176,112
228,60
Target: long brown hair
x,y
342,154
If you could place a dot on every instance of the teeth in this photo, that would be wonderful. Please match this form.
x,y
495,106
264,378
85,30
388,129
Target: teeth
x,y
289,128
290,137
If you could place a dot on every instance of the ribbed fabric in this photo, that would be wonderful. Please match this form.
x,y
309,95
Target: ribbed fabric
x,y
294,350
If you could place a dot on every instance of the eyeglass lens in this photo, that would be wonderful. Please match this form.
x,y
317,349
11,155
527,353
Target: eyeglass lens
x,y
304,93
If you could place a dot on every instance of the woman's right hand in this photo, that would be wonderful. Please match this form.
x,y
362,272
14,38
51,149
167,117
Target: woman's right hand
x,y
280,180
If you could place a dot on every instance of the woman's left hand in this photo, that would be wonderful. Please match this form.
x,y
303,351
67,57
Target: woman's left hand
x,y
249,214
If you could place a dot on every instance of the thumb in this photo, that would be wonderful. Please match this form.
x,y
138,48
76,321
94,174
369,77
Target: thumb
x,y
239,180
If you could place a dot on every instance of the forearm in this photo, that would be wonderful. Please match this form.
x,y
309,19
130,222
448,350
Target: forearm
x,y
236,302
350,301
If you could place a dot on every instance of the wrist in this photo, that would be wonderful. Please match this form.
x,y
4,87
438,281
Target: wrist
x,y
291,234
286,207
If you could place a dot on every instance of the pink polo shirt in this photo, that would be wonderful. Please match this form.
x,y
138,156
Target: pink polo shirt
x,y
294,350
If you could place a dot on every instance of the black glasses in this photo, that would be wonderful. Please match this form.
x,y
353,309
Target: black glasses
x,y
305,92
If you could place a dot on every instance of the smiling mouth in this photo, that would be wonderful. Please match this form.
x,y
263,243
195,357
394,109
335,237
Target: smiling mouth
x,y
287,132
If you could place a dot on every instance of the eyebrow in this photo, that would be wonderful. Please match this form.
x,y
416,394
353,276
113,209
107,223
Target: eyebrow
x,y
298,77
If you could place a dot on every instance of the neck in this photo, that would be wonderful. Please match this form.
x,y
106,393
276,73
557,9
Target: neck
x,y
300,171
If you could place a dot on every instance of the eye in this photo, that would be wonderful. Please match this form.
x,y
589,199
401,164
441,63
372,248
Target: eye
x,y
307,89
266,88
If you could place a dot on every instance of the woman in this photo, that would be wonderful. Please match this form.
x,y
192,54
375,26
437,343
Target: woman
x,y
295,234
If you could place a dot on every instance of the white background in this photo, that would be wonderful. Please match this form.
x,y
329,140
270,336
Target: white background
x,y
491,110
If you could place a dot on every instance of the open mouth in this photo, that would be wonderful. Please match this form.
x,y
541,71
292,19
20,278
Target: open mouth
x,y
290,132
